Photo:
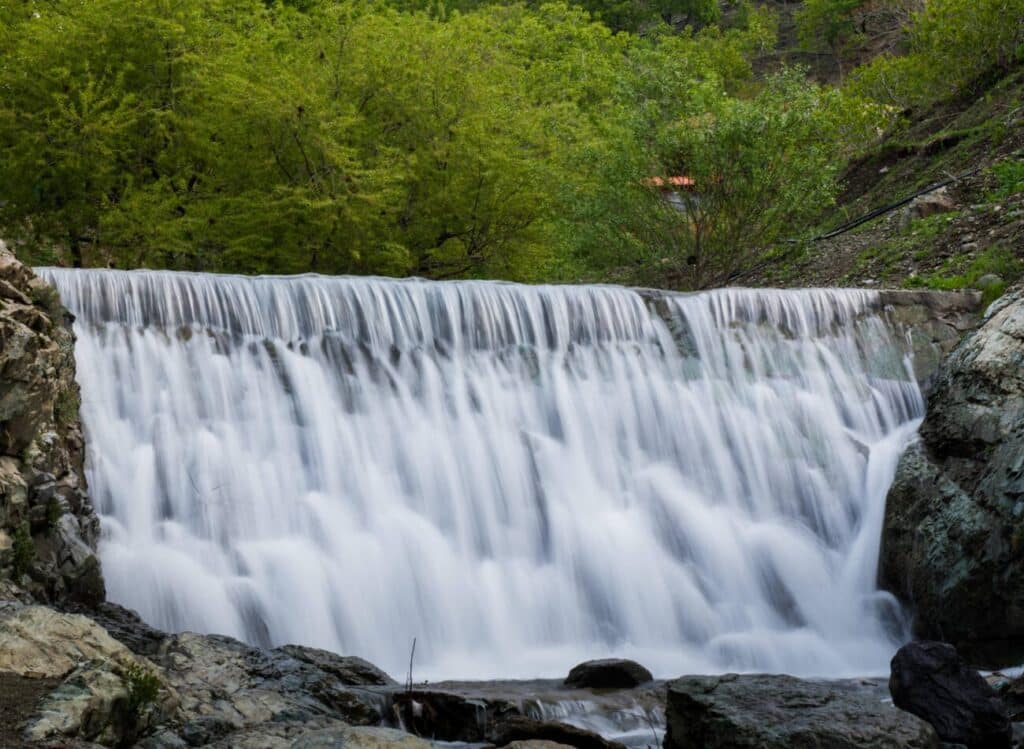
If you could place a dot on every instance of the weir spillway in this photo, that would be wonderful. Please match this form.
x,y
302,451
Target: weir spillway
x,y
520,477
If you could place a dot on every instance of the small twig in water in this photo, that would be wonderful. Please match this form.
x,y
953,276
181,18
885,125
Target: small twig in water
x,y
412,653
654,731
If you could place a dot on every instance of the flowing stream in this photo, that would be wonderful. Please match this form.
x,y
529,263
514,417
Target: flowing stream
x,y
519,477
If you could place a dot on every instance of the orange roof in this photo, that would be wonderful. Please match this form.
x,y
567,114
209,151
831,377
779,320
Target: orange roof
x,y
677,181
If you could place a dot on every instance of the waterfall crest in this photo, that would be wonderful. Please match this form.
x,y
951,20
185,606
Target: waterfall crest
x,y
519,477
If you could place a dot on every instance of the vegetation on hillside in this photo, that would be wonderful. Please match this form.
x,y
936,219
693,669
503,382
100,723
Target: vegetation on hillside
x,y
530,141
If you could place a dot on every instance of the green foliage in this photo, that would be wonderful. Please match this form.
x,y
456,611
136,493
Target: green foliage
x,y
759,167
827,23
23,550
335,137
1009,176
143,687
953,44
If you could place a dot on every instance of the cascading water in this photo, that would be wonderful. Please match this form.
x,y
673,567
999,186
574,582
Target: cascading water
x,y
519,477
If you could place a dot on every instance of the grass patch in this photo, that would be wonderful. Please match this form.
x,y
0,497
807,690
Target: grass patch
x,y
964,272
1009,176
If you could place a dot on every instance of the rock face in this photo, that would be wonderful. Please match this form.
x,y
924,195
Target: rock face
x,y
610,673
934,323
953,540
781,712
930,680
106,694
48,529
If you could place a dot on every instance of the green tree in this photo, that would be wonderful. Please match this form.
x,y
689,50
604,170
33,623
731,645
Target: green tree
x,y
983,38
758,168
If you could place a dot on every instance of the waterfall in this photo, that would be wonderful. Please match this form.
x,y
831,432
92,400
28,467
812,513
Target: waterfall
x,y
520,477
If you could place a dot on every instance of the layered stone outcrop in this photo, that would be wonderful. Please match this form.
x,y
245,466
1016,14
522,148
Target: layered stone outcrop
x,y
953,540
48,529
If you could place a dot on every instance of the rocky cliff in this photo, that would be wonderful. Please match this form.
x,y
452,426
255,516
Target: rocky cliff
x,y
48,529
953,543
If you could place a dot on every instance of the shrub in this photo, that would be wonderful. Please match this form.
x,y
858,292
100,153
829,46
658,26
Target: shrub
x,y
143,687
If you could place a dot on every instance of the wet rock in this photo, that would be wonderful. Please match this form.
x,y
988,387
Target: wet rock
x,y
610,673
448,716
935,323
518,729
953,539
48,529
930,680
349,669
782,712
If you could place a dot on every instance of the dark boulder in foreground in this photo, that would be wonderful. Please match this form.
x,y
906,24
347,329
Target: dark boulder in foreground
x,y
610,673
930,680
782,712
953,540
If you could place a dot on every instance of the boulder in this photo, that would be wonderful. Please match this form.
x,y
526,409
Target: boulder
x,y
782,712
930,680
48,529
923,206
610,673
953,538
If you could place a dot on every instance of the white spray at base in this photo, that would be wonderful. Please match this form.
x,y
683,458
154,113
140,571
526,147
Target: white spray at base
x,y
519,477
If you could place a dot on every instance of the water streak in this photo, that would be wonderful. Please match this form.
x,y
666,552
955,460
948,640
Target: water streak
x,y
520,477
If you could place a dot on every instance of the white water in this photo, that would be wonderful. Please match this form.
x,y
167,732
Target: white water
x,y
519,477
